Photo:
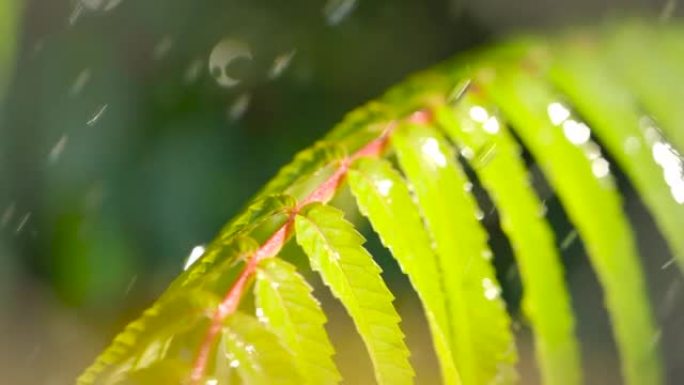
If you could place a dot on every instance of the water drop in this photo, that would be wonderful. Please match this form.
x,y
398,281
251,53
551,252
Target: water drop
x,y
569,239
600,167
250,349
223,55
58,149
81,80
467,187
22,222
195,254
577,133
211,381
234,363
193,71
337,10
467,152
97,115
479,214
162,48
631,145
384,186
491,291
239,107
100,5
558,113
281,63
7,215
491,125
261,316
478,114
430,148
487,255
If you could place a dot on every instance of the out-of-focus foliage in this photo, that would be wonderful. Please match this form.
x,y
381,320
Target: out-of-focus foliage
x,y
527,94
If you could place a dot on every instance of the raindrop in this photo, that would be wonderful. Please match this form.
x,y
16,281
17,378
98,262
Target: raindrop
x,y
261,316
100,5
479,214
467,187
336,11
558,113
668,10
211,381
239,107
234,363
431,149
600,167
543,209
7,215
250,349
491,125
97,115
632,145
667,264
58,149
478,114
467,152
162,48
81,80
130,285
569,239
281,63
491,291
195,254
22,223
384,186
223,55
577,133
193,71
487,255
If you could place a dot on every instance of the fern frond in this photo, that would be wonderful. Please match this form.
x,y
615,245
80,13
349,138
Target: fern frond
x,y
336,252
285,304
495,157
580,175
428,219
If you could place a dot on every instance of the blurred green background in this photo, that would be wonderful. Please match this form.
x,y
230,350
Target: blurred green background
x,y
130,131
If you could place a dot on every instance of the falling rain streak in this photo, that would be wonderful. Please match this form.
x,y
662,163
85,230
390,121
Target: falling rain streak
x,y
195,254
58,149
281,63
97,115
336,11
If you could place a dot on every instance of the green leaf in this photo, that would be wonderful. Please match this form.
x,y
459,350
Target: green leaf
x,y
383,197
483,343
285,304
495,156
305,165
632,139
651,76
10,12
256,354
145,341
256,213
335,250
580,176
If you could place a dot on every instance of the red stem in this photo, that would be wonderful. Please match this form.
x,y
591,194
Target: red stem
x,y
323,193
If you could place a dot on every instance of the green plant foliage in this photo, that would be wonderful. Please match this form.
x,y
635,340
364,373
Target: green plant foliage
x,y
9,18
495,157
285,303
483,344
383,197
468,112
336,252
580,176
256,354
